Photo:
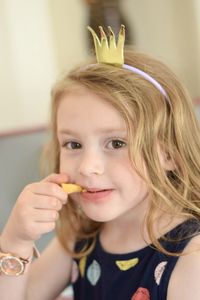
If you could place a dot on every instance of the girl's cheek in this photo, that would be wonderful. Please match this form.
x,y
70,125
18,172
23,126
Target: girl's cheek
x,y
67,165
63,164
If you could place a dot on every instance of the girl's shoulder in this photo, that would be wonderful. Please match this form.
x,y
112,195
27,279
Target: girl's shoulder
x,y
184,281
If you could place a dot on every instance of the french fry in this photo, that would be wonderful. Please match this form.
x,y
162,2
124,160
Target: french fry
x,y
71,188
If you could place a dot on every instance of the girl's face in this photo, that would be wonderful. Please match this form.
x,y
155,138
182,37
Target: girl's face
x,y
94,153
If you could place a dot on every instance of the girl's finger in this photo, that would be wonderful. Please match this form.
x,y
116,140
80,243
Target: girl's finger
x,y
48,189
45,216
47,202
57,178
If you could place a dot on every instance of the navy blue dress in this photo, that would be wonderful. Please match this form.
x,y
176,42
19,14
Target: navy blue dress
x,y
140,275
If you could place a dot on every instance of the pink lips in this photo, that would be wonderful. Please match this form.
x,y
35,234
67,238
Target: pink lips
x,y
96,195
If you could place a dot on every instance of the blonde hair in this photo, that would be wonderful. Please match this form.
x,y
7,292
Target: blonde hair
x,y
150,119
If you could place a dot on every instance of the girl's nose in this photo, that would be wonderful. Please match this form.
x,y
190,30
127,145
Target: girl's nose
x,y
91,164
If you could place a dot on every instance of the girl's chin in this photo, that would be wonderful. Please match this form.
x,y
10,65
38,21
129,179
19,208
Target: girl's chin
x,y
97,216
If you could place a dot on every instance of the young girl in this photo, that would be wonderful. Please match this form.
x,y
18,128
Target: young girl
x,y
128,135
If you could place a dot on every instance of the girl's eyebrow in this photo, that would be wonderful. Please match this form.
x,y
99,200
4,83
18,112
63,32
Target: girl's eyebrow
x,y
115,131
66,131
98,131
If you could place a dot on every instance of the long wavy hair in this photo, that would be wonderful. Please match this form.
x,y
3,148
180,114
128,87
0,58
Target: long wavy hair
x,y
150,119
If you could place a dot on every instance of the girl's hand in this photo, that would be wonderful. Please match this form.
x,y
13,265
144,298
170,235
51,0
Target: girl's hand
x,y
35,212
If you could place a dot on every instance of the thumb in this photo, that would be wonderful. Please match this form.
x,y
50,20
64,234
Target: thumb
x,y
57,178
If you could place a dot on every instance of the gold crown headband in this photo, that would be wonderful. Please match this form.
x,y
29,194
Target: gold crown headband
x,y
112,53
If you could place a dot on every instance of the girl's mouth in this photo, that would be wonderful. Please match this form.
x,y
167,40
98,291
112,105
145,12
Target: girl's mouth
x,y
93,191
95,195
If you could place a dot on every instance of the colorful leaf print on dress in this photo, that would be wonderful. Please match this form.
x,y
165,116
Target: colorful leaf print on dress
x,y
82,265
94,272
159,271
125,265
141,294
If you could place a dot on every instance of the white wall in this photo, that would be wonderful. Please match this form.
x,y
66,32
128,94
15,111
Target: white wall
x,y
168,30
68,28
197,22
27,62
35,39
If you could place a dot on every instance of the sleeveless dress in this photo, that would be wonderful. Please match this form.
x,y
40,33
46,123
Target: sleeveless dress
x,y
140,275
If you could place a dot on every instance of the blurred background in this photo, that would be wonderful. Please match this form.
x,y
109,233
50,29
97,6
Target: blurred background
x,y
39,40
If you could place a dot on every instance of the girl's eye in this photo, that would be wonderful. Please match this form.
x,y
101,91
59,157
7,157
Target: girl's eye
x,y
116,144
72,145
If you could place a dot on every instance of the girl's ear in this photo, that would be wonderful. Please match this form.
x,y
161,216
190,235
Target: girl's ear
x,y
165,159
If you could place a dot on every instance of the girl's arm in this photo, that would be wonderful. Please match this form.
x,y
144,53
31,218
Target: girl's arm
x,y
34,214
50,274
185,279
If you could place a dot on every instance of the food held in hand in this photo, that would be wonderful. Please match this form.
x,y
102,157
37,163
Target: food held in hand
x,y
72,188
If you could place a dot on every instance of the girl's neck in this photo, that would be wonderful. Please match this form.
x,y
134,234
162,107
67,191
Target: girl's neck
x,y
132,235
123,235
